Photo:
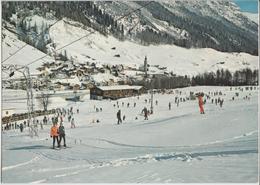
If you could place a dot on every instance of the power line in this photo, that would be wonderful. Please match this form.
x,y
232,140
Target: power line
x,y
26,43
142,6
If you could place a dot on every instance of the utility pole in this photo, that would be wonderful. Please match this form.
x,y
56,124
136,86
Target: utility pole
x,y
145,66
148,82
151,85
33,130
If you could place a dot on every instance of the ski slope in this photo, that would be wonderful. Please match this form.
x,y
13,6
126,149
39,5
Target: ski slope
x,y
173,146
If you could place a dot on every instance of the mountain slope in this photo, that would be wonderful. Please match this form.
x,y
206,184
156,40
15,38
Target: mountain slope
x,y
98,48
201,24
103,49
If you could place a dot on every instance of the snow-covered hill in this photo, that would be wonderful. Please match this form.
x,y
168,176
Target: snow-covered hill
x,y
102,49
98,48
252,16
10,54
199,23
173,146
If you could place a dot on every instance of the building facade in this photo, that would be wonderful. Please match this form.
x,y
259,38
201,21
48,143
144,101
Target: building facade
x,y
115,92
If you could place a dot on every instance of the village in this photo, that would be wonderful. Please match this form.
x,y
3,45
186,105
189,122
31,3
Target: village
x,y
63,75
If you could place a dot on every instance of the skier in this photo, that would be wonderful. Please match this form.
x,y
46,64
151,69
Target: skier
x,y
54,134
221,102
118,114
62,135
200,98
77,111
156,102
21,127
134,104
45,120
72,123
128,105
41,125
170,105
145,111
124,118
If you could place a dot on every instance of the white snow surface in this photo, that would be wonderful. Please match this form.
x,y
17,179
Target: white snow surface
x,y
181,61
252,16
177,145
119,87
10,46
97,48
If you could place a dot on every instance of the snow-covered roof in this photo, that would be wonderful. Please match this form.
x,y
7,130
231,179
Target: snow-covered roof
x,y
119,87
71,81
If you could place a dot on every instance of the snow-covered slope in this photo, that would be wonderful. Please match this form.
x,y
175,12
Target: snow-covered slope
x,y
11,44
197,23
98,48
252,16
174,146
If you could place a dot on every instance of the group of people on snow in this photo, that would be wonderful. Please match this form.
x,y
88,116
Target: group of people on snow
x,y
57,134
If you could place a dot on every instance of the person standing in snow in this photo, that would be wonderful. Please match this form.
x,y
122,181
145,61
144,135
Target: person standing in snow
x,y
145,111
178,101
45,120
41,125
72,123
221,102
118,115
62,135
200,98
55,135
21,127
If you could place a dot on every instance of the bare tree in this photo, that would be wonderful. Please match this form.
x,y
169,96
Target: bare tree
x,y
44,100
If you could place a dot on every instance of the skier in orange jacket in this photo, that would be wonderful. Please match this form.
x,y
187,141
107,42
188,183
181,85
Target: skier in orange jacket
x,y
200,98
55,134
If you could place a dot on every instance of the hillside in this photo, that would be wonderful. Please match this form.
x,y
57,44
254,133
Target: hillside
x,y
98,48
217,147
205,24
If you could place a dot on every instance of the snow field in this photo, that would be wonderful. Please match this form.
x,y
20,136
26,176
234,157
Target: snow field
x,y
178,145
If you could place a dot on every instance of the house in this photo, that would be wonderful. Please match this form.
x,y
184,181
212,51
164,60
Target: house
x,y
115,92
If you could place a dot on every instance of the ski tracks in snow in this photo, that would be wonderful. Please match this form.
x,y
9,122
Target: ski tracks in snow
x,y
20,164
149,158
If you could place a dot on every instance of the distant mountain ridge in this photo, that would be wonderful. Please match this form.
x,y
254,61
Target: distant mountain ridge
x,y
199,23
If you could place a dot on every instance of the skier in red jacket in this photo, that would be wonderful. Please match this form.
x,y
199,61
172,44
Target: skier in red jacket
x,y
200,98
